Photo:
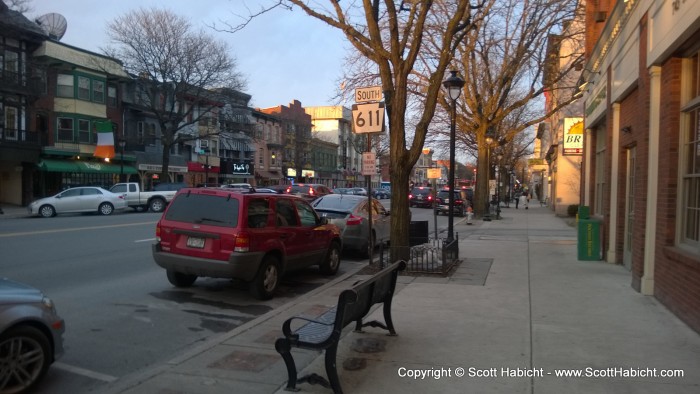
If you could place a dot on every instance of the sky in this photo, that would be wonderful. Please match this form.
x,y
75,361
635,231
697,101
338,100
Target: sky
x,y
284,55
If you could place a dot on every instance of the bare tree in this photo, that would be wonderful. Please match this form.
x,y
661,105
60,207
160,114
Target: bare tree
x,y
505,60
390,35
177,69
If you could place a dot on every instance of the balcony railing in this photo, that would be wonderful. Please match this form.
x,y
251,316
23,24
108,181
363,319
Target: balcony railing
x,y
17,136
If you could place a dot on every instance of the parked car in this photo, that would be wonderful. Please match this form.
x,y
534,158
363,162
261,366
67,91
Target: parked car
x,y
141,200
421,196
341,190
78,199
162,187
442,203
31,336
280,189
236,186
309,191
360,191
255,237
381,193
264,190
351,214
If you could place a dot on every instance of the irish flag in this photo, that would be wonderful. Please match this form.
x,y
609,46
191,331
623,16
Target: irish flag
x,y
105,139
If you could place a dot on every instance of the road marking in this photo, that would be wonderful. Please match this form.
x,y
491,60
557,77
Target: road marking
x,y
145,240
84,372
60,230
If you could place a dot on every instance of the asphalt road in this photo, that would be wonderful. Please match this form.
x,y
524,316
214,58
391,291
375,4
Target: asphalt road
x,y
121,313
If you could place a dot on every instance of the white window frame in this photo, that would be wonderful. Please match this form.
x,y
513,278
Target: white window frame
x,y
11,125
689,165
84,92
63,89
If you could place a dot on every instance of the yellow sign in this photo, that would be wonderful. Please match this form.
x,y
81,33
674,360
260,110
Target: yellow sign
x,y
434,173
573,136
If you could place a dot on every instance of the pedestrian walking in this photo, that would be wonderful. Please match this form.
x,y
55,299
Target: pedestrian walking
x,y
517,199
523,200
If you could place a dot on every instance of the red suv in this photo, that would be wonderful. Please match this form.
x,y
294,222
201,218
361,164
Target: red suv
x,y
245,235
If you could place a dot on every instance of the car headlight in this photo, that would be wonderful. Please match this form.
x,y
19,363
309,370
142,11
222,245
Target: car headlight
x,y
48,304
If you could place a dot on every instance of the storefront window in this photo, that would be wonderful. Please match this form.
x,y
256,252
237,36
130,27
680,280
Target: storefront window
x,y
600,142
691,154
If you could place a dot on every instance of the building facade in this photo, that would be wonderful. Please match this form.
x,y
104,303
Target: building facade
x,y
641,163
21,83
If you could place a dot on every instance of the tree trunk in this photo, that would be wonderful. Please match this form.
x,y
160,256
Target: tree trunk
x,y
481,193
165,172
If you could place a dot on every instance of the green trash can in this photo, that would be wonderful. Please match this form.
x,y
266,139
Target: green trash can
x,y
584,212
589,240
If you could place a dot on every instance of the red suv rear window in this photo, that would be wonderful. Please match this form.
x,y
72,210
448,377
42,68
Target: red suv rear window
x,y
214,210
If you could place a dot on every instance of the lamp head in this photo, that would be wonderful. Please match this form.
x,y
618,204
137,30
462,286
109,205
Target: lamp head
x,y
454,85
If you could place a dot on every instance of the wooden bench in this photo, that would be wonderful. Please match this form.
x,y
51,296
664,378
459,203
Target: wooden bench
x,y
323,333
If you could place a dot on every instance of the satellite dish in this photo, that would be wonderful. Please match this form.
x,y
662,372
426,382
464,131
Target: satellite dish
x,y
53,24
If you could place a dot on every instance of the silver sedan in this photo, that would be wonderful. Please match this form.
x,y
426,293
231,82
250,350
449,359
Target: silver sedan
x,y
31,336
351,214
79,199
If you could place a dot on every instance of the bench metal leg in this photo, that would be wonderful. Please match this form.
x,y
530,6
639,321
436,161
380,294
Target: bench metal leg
x,y
387,316
331,370
284,349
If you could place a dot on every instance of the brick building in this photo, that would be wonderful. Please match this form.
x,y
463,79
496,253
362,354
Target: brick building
x,y
641,163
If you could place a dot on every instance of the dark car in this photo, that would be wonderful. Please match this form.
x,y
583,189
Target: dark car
x,y
255,237
421,196
381,193
309,191
442,203
351,214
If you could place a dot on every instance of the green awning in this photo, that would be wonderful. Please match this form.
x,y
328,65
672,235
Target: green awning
x,y
84,167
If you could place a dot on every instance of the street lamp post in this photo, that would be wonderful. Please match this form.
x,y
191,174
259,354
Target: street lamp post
x,y
498,186
454,85
122,144
489,141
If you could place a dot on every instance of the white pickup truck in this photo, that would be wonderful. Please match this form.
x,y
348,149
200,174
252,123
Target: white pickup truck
x,y
137,199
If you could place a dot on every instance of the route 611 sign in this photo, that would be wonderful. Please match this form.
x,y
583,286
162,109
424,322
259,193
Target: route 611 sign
x,y
368,118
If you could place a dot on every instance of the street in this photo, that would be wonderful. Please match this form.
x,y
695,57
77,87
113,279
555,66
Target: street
x,y
121,313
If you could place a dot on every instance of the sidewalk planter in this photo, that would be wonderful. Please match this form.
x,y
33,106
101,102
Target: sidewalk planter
x,y
590,239
418,232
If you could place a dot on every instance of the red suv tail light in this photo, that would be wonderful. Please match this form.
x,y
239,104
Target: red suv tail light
x,y
242,243
157,232
353,220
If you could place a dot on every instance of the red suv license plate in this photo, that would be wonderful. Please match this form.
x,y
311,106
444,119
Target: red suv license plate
x,y
194,242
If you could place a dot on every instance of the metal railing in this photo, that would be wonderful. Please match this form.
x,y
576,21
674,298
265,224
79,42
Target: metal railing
x,y
437,256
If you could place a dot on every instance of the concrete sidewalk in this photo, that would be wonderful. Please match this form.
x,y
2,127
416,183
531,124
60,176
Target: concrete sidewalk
x,y
519,309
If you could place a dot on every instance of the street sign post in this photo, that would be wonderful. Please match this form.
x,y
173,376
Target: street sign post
x,y
368,118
